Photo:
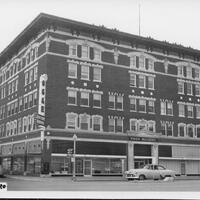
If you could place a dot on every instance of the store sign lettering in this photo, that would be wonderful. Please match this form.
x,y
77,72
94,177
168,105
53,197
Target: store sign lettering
x,y
142,139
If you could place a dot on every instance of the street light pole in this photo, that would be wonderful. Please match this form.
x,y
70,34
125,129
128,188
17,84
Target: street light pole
x,y
74,158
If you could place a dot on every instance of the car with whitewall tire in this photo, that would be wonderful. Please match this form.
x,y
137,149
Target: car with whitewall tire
x,y
149,171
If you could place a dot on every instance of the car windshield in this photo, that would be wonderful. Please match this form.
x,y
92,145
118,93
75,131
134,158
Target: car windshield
x,y
146,167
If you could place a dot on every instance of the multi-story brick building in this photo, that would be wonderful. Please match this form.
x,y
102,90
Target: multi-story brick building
x,y
129,100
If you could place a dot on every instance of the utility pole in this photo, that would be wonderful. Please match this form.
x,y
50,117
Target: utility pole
x,y
74,158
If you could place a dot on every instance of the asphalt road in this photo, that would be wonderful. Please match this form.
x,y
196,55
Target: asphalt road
x,y
66,184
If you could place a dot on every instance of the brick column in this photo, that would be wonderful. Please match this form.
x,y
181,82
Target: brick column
x,y
130,155
45,155
154,153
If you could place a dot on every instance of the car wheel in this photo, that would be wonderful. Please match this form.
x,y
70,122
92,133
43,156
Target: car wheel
x,y
141,177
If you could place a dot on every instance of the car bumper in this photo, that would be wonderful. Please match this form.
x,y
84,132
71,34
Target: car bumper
x,y
131,176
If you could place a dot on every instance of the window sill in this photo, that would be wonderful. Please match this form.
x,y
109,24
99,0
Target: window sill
x,y
97,107
71,104
181,115
152,113
119,109
97,81
142,111
133,110
84,79
72,77
111,108
190,117
84,106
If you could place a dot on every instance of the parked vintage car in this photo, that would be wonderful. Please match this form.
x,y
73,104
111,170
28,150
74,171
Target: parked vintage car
x,y
149,172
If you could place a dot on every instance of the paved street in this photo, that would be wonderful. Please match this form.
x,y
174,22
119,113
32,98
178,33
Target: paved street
x,y
66,184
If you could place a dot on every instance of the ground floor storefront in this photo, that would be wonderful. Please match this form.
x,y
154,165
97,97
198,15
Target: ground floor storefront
x,y
96,155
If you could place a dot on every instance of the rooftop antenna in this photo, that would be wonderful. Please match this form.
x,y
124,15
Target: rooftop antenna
x,y
139,19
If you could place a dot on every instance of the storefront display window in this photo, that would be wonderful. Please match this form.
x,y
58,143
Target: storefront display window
x,y
104,166
6,164
18,165
34,165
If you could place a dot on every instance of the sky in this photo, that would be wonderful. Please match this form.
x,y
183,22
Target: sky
x,y
175,21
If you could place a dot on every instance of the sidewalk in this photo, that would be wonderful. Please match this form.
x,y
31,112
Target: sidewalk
x,y
85,178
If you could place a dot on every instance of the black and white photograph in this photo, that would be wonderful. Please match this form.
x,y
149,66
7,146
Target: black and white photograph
x,y
100,99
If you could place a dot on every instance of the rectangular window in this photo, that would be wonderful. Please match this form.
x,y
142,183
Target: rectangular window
x,y
97,54
133,125
119,125
198,112
198,131
26,102
73,50
151,126
111,101
85,51
190,131
26,78
189,72
142,125
181,109
35,98
169,129
119,104
35,73
84,101
97,100
133,62
150,82
30,100
85,72
111,125
196,73
19,125
133,104
71,121
141,81
16,106
180,71
169,108
97,74
84,122
141,62
151,65
16,85
9,89
189,88
31,76
142,105
97,122
190,111
181,87
9,110
72,97
181,130
72,70
20,104
197,89
163,108
12,109
133,79
151,107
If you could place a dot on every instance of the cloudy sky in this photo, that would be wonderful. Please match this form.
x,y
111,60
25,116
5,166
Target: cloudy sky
x,y
170,20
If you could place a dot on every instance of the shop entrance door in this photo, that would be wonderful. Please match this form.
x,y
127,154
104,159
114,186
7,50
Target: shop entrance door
x,y
182,167
87,167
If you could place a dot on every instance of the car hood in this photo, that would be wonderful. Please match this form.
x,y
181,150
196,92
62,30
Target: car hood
x,y
135,170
